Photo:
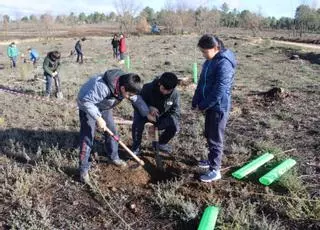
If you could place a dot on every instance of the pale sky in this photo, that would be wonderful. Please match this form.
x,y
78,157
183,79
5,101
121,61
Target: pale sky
x,y
19,8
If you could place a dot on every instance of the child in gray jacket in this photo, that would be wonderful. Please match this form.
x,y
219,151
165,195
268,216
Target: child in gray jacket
x,y
95,100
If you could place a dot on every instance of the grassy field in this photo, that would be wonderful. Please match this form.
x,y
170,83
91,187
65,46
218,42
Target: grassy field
x,y
39,186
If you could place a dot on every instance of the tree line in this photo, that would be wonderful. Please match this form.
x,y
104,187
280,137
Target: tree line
x,y
177,18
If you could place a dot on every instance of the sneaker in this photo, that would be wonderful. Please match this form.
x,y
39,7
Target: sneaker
x,y
204,164
59,95
166,148
211,176
84,178
137,152
119,163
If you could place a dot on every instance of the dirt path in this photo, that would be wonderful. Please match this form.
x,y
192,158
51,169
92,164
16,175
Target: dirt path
x,y
308,46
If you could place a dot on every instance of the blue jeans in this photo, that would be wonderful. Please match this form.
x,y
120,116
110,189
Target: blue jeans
x,y
167,123
13,62
87,131
215,124
49,80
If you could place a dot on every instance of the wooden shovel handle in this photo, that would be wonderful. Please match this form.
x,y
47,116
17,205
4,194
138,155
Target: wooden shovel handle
x,y
116,138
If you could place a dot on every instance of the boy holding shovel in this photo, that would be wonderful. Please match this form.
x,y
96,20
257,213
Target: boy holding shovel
x,y
164,103
95,100
51,66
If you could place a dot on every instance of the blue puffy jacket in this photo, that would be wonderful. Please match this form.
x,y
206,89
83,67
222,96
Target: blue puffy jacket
x,y
33,55
214,87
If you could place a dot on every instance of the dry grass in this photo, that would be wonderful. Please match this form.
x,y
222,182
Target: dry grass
x,y
39,143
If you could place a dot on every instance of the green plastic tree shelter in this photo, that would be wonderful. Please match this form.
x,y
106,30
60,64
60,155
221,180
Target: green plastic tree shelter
x,y
252,166
127,62
195,73
276,172
209,218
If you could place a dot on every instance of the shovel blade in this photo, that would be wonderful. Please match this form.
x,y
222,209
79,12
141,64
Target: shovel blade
x,y
159,162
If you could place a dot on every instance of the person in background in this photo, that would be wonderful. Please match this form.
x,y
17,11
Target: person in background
x,y
213,98
51,66
122,48
33,55
13,53
78,49
115,46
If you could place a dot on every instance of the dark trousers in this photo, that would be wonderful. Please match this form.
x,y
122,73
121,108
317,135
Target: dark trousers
x,y
13,63
122,56
34,61
115,52
167,123
87,131
215,124
49,80
79,56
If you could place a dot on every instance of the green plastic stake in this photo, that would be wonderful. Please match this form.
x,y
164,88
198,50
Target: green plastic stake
x,y
209,218
195,73
252,166
127,62
276,172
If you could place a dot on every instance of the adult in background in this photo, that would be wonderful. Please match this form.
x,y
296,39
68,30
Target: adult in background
x,y
13,52
51,66
78,48
213,98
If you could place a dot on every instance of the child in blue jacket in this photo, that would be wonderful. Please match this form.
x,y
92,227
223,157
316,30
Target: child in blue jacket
x,y
33,55
213,98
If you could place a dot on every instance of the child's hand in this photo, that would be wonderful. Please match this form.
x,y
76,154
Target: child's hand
x,y
154,111
152,118
101,123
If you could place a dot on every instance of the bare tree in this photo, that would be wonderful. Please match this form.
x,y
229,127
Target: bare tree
x,y
185,16
207,21
47,25
126,10
169,20
5,21
18,15
142,25
250,21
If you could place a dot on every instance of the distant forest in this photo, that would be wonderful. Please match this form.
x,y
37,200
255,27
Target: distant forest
x,y
176,18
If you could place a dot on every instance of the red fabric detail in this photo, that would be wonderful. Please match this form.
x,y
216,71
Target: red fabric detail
x,y
83,151
116,138
117,88
122,45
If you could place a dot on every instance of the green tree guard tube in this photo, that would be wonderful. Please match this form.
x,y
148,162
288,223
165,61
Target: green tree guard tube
x,y
252,166
209,218
127,62
276,172
195,73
